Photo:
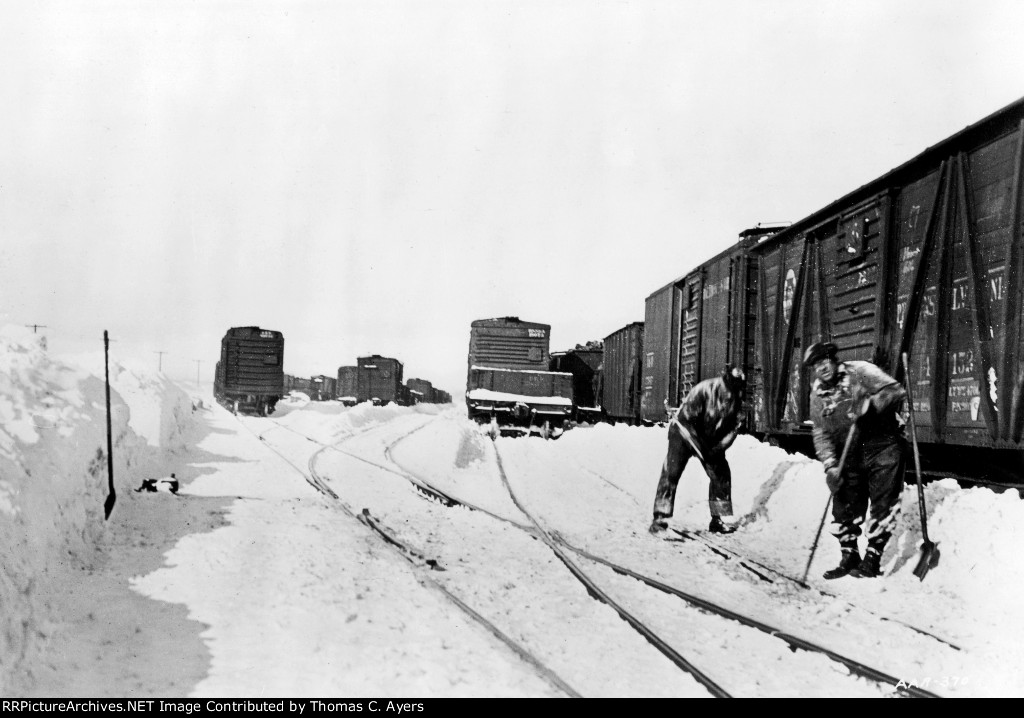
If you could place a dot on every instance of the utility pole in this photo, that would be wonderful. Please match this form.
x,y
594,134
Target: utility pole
x,y
198,362
36,327
160,362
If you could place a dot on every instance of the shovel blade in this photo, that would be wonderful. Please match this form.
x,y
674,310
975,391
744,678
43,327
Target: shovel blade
x,y
928,560
108,506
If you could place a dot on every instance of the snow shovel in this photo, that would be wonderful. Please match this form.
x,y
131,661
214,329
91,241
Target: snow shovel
x,y
108,505
686,431
929,551
842,462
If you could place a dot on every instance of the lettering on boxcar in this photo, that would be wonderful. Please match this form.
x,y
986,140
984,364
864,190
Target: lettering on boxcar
x,y
915,212
535,333
907,264
959,295
996,283
712,290
961,363
787,294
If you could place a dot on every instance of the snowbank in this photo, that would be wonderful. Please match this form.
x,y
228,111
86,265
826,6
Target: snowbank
x,y
53,470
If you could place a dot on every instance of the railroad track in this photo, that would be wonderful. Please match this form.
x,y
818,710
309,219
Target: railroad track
x,y
570,555
410,554
561,548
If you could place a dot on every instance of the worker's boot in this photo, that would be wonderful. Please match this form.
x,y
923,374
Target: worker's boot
x,y
869,567
718,526
848,562
658,526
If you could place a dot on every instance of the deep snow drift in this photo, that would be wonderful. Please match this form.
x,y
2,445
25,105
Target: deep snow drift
x,y
53,471
53,483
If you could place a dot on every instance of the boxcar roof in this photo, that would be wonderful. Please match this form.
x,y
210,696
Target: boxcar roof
x,y
745,242
995,125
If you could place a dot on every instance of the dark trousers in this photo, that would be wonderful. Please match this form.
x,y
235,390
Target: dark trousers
x,y
716,467
873,476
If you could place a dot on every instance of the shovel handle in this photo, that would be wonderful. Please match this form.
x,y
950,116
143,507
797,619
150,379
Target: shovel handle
x,y
917,455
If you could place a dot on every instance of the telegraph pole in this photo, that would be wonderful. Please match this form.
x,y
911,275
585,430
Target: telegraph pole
x,y
36,327
198,362
160,362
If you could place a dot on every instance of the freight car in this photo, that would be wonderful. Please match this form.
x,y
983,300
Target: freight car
x,y
249,377
584,363
322,387
510,385
698,324
422,389
929,260
379,380
347,386
621,374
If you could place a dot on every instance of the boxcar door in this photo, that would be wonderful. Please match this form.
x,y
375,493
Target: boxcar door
x,y
689,337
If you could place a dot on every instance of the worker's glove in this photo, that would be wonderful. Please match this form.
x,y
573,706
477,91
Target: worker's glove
x,y
833,479
864,412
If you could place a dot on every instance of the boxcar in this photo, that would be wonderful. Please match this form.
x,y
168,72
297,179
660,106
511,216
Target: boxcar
x,y
423,388
509,382
379,380
926,259
347,387
584,363
698,324
249,376
621,374
322,387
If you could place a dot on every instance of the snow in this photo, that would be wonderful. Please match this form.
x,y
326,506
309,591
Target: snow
x,y
251,583
489,395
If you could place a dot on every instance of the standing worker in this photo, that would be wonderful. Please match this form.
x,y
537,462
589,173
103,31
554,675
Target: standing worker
x,y
704,426
844,394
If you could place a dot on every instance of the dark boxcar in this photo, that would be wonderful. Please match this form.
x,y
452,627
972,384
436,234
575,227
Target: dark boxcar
x,y
585,366
347,388
423,388
509,383
622,372
698,324
322,387
925,260
379,380
249,375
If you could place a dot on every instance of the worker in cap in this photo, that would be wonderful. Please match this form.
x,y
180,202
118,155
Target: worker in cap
x,y
843,394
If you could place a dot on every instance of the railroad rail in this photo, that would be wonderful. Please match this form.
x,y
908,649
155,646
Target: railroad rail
x,y
562,548
416,558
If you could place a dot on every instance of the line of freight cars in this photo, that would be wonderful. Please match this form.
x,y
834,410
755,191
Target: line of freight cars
x,y
249,377
375,378
925,260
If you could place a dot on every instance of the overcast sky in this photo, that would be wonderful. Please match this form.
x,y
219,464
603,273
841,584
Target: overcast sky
x,y
370,177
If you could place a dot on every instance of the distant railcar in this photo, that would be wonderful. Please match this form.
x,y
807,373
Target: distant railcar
x,y
322,387
347,385
621,374
584,363
423,388
249,377
379,380
509,383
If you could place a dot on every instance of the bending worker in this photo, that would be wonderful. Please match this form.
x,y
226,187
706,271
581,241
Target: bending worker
x,y
844,393
704,426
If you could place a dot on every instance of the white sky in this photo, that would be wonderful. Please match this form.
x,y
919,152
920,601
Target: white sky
x,y
168,168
